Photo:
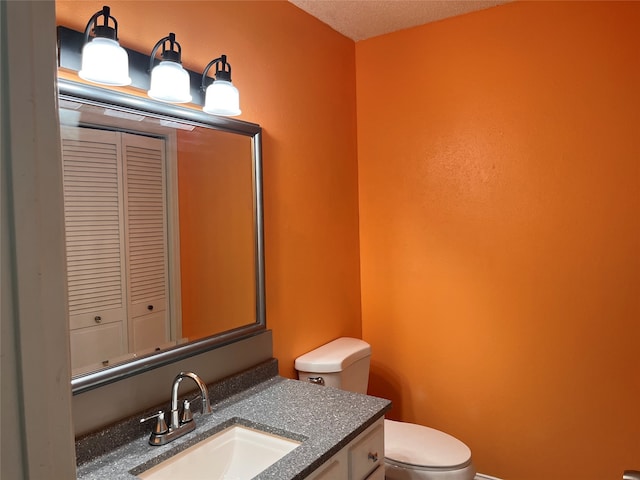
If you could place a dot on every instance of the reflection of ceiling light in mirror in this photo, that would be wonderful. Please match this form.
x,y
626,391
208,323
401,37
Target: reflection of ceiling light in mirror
x,y
69,104
127,116
69,117
178,125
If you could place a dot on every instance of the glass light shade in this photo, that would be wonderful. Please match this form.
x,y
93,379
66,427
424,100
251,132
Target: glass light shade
x,y
104,61
222,98
170,83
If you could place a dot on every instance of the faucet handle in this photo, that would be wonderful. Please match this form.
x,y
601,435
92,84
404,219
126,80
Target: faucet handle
x,y
161,424
206,405
187,416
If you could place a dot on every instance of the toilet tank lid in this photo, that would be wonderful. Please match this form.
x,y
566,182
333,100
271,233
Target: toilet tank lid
x,y
334,356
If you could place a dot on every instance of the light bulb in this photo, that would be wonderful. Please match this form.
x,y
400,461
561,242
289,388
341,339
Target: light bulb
x,y
104,61
222,98
170,83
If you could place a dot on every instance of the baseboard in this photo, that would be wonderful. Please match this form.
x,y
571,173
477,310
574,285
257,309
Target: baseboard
x,y
482,476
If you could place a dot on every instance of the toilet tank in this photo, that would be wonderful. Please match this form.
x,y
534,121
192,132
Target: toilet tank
x,y
342,363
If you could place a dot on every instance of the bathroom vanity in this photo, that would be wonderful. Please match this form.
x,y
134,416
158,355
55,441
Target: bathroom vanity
x,y
362,458
340,433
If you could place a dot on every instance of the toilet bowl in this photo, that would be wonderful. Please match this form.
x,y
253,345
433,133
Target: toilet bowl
x,y
417,452
412,452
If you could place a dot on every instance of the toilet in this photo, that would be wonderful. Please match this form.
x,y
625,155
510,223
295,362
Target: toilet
x,y
412,452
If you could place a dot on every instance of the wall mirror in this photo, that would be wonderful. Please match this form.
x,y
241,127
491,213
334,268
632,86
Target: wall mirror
x,y
164,233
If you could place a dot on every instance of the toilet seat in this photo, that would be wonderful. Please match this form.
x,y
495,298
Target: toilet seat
x,y
412,446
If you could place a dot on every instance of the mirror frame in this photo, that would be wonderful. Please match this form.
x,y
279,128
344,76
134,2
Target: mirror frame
x,y
85,93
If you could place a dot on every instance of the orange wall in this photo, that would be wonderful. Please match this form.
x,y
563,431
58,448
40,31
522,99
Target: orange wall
x,y
499,176
217,250
296,78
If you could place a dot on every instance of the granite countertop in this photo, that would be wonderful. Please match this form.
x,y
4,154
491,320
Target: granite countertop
x,y
324,419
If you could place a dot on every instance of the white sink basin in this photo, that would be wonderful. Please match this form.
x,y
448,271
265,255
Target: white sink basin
x,y
235,453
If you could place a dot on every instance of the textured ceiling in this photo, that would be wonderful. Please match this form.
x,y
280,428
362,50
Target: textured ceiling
x,y
361,19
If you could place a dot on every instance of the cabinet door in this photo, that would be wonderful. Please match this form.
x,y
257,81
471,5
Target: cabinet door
x,y
331,471
96,345
146,238
377,474
362,458
367,453
149,331
95,246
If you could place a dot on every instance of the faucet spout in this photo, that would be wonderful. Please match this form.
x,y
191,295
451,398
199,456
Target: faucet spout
x,y
204,393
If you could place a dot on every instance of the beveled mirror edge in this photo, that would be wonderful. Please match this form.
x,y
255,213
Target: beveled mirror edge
x,y
71,90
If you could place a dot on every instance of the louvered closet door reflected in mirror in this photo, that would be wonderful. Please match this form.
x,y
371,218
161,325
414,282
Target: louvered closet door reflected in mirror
x,y
116,241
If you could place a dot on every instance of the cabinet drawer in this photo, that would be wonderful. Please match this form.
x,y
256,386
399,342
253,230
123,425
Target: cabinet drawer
x,y
96,344
377,474
367,454
150,306
97,317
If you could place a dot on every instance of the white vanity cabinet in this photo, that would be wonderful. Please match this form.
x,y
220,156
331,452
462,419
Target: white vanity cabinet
x,y
362,458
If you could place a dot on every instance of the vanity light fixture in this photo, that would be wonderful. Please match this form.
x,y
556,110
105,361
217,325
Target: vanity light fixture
x,y
104,61
163,78
169,81
221,97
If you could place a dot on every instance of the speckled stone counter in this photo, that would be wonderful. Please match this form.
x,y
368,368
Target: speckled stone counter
x,y
324,419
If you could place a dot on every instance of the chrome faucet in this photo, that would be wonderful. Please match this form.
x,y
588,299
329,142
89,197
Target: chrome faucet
x,y
206,406
179,424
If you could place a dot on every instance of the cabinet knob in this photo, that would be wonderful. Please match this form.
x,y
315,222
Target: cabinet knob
x,y
149,307
373,456
98,318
